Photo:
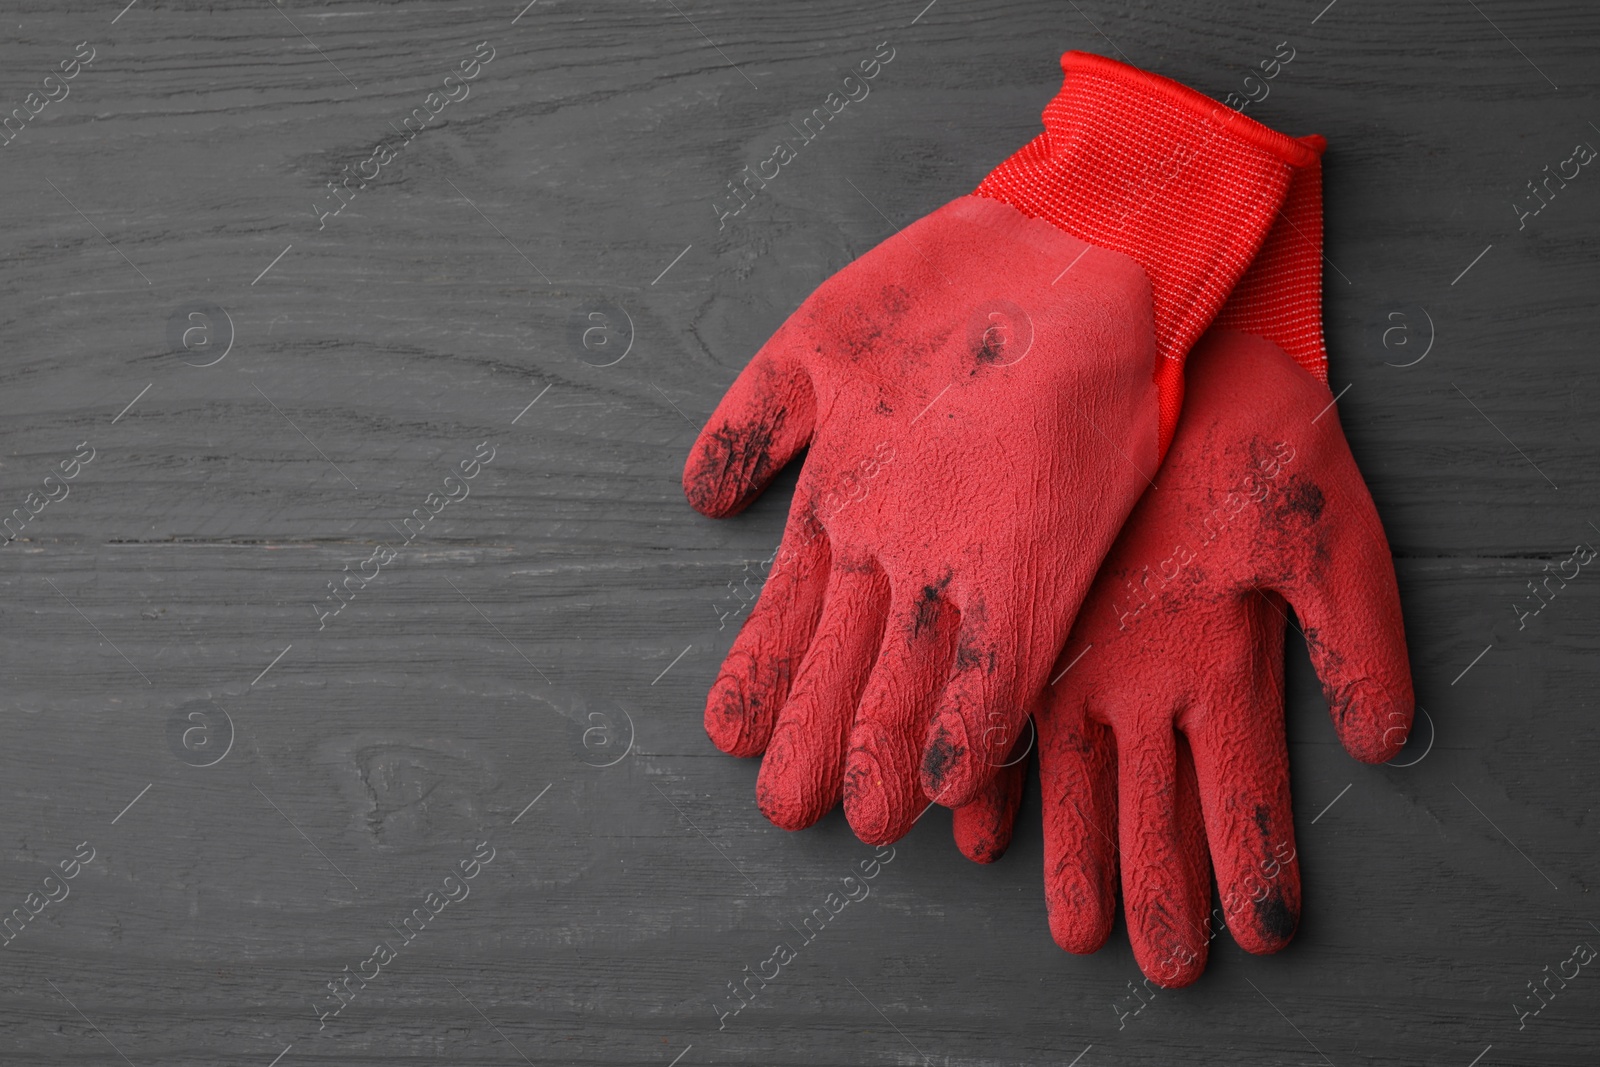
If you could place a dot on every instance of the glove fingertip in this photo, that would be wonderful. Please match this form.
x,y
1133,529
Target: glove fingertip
x,y
1373,720
766,417
1272,922
983,829
984,843
729,720
1080,912
785,793
870,802
1175,972
727,469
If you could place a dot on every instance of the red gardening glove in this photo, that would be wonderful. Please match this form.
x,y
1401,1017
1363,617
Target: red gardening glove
x,y
984,396
1167,733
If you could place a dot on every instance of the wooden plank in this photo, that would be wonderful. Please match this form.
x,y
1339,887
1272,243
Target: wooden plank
x,y
548,639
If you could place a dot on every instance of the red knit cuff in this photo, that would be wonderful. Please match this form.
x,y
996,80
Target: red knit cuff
x,y
1280,296
1142,84
1138,164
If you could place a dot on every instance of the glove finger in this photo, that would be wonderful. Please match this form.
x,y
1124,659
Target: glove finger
x,y
766,416
1241,763
802,772
882,783
1002,663
754,681
983,828
1078,786
1349,606
1166,885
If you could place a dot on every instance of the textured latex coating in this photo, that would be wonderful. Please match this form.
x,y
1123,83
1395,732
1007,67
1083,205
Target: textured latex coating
x,y
1162,748
980,422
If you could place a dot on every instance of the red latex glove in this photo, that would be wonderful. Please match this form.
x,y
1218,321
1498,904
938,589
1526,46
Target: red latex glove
x,y
1167,734
984,395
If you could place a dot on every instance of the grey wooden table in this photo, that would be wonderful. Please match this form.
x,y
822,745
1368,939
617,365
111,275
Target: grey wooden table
x,y
226,385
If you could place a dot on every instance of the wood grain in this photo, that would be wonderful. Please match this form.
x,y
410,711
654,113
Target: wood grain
x,y
503,654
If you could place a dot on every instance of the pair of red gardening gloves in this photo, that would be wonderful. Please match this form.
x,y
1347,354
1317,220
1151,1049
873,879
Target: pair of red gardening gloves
x,y
988,397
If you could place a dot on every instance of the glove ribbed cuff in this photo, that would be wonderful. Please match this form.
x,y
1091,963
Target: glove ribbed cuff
x,y
1139,164
1280,296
